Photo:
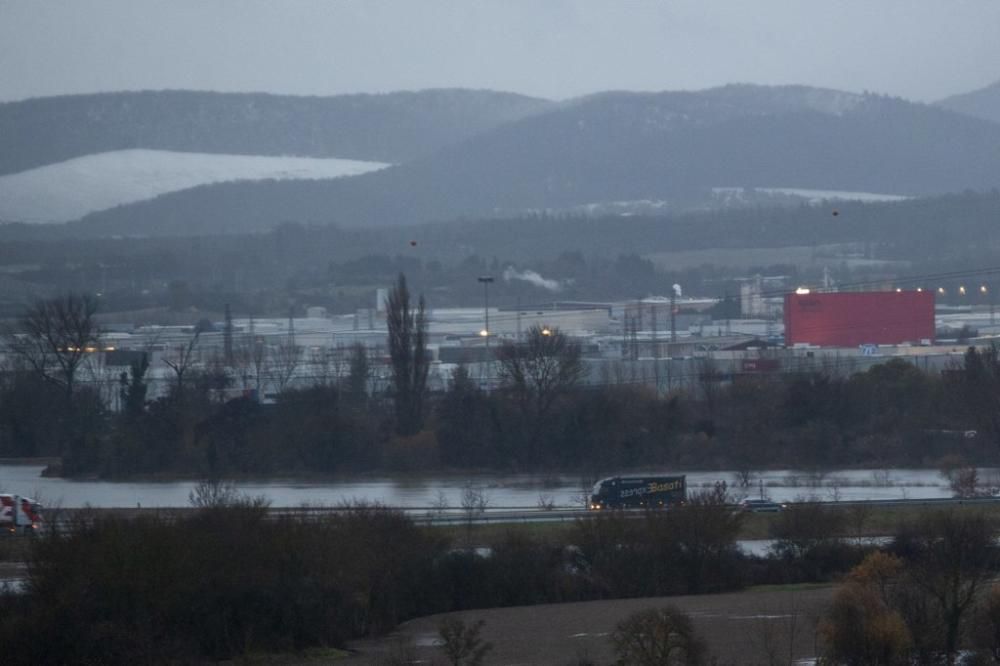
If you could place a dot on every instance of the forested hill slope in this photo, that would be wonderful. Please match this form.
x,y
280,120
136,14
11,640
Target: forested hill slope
x,y
672,147
392,127
983,103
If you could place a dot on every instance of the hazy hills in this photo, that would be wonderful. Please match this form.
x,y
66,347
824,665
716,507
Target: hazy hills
x,y
983,103
673,146
393,127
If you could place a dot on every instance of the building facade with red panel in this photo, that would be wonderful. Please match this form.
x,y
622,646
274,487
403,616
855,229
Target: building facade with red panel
x,y
849,319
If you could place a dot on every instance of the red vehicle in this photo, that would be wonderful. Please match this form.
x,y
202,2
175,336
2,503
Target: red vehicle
x,y
19,514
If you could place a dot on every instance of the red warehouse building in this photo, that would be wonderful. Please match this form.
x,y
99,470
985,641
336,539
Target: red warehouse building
x,y
849,319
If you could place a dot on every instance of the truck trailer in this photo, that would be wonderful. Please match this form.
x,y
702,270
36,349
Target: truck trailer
x,y
625,492
19,514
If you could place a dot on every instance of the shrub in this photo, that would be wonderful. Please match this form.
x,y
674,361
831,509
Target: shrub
x,y
861,629
658,637
222,583
461,643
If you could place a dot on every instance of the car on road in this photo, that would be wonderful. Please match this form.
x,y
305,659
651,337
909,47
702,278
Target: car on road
x,y
761,506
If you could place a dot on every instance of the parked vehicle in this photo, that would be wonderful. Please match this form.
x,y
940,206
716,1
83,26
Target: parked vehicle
x,y
622,492
761,506
19,514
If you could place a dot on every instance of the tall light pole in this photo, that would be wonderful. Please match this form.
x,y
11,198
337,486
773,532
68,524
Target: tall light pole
x,y
486,280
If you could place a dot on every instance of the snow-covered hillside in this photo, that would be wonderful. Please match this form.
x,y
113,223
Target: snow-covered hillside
x,y
68,190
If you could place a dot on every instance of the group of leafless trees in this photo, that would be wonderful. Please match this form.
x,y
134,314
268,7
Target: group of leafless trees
x,y
119,426
537,415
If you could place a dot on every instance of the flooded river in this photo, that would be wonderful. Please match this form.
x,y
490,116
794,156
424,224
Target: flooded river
x,y
511,491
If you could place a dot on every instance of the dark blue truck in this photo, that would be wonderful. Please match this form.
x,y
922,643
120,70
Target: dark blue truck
x,y
627,492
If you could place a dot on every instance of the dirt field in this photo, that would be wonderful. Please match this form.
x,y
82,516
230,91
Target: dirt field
x,y
741,628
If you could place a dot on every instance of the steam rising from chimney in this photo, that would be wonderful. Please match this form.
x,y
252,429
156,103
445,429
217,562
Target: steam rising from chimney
x,y
510,273
677,290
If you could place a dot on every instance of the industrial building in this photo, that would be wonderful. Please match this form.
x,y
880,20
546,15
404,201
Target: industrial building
x,y
850,319
666,343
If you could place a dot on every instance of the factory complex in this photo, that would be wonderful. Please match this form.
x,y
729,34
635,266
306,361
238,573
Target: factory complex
x,y
665,343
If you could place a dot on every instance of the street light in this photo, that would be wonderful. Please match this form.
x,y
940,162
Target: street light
x,y
485,333
486,280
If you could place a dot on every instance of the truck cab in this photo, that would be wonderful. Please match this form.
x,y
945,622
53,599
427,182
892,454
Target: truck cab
x,y
19,514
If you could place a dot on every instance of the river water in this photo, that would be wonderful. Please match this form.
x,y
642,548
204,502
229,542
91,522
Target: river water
x,y
500,491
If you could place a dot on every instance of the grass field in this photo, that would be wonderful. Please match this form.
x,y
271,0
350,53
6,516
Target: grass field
x,y
758,626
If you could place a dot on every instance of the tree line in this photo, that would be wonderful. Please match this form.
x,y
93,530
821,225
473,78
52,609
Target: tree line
x,y
592,258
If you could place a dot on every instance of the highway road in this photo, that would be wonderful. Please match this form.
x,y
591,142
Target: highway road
x,y
65,518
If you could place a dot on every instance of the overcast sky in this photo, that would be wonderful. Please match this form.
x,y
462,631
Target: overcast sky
x,y
918,49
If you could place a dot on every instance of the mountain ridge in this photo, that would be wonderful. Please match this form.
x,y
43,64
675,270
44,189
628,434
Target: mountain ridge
x,y
670,146
386,127
982,103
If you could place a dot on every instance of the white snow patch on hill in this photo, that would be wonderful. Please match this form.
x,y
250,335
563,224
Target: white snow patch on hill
x,y
812,196
69,190
817,196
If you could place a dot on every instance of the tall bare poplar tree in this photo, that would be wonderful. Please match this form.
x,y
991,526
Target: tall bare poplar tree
x,y
408,354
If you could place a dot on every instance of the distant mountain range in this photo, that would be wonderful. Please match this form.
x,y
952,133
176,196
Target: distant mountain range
x,y
478,154
673,147
393,127
983,103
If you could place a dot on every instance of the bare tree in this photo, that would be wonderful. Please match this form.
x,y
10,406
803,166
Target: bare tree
x,y
54,336
287,357
955,559
182,357
539,370
359,373
461,643
213,493
251,359
408,355
474,503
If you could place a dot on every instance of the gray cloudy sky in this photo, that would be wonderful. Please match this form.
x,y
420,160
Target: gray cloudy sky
x,y
919,49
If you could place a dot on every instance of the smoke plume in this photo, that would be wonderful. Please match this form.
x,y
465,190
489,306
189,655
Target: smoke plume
x,y
510,273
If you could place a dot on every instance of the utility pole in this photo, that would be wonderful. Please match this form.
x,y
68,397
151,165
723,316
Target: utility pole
x,y
635,337
673,316
518,318
652,325
227,337
656,347
726,306
988,289
626,327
